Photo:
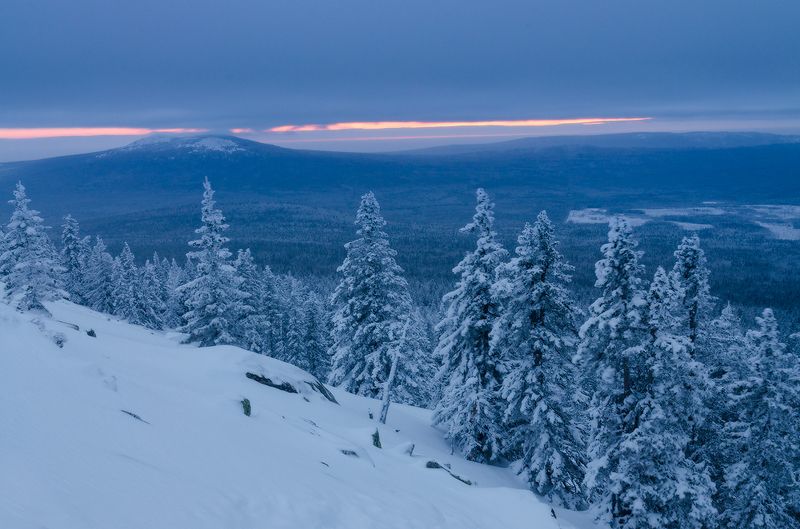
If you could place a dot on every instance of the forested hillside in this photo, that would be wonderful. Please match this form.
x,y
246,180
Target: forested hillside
x,y
293,209
656,405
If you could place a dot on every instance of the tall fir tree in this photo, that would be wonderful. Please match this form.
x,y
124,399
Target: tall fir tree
x,y
535,336
174,302
214,299
316,337
471,406
370,306
255,326
722,346
690,279
125,276
98,288
296,322
656,484
723,349
29,264
611,340
414,378
74,257
152,296
161,268
135,294
691,275
279,315
761,481
272,306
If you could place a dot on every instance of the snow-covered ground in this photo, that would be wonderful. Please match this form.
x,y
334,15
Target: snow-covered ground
x,y
778,220
785,232
601,216
131,430
691,226
191,143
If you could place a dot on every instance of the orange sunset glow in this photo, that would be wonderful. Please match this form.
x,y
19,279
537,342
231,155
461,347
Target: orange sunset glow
x,y
74,132
383,125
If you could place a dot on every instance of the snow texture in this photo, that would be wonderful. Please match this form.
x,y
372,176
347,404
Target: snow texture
x,y
132,429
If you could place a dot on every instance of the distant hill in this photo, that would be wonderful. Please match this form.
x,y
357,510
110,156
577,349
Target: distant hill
x,y
631,140
166,171
295,208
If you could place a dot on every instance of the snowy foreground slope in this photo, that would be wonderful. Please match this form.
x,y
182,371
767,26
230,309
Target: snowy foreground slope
x,y
70,457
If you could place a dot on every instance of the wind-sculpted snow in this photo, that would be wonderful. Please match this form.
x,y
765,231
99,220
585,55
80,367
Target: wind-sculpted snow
x,y
130,429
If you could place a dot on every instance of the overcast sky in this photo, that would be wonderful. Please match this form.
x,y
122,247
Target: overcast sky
x,y
218,65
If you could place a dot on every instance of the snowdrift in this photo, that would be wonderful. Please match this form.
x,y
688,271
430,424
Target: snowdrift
x,y
130,429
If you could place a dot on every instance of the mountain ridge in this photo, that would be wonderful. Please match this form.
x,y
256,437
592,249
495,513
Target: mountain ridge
x,y
294,208
625,140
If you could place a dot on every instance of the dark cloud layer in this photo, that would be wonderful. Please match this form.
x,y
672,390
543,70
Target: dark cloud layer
x,y
259,63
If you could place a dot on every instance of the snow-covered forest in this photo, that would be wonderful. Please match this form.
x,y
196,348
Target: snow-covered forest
x,y
653,407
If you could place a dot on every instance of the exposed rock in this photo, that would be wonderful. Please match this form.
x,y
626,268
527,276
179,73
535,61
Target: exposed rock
x,y
376,439
294,385
134,416
261,379
319,386
434,464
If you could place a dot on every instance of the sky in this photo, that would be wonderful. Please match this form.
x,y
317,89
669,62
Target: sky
x,y
258,66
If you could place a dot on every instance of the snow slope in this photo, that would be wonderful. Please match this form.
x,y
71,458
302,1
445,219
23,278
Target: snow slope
x,y
70,457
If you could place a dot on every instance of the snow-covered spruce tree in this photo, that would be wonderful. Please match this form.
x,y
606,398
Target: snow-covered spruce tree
x,y
214,298
174,302
413,365
305,328
316,359
689,277
135,295
29,264
280,313
762,480
535,334
74,257
98,287
152,296
306,338
416,376
160,270
371,304
611,339
125,278
296,323
656,484
722,345
275,300
159,263
255,326
471,407
691,274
